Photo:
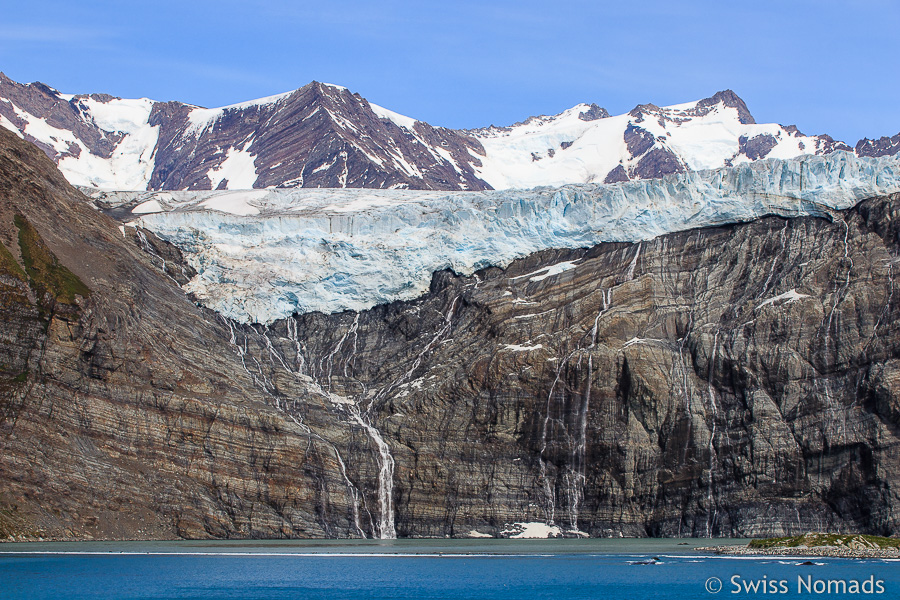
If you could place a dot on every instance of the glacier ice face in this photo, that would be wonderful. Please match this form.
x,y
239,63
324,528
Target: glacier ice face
x,y
264,254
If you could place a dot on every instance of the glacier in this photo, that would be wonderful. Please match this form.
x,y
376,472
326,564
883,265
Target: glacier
x,y
262,255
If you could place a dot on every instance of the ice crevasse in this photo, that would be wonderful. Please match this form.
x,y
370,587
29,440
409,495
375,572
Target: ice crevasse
x,y
264,254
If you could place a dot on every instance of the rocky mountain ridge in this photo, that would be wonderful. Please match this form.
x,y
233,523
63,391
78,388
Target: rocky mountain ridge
x,y
317,136
322,135
733,380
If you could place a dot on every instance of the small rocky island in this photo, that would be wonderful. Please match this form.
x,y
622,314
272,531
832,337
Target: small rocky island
x,y
817,544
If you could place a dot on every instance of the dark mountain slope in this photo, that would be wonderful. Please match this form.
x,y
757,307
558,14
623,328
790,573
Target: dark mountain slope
x,y
124,411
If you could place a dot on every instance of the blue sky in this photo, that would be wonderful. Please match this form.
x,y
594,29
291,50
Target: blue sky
x,y
826,66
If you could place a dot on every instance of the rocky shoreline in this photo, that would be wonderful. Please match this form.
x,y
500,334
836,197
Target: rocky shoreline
x,y
826,551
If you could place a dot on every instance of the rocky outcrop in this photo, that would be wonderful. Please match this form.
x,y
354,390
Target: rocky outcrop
x,y
730,99
825,144
884,146
593,113
738,380
757,147
616,175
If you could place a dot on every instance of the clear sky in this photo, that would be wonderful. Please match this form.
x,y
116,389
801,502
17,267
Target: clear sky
x,y
827,66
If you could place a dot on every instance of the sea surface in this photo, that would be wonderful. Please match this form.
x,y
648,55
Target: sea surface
x,y
426,569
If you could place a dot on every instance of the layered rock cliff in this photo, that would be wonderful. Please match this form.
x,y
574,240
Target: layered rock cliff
x,y
728,381
735,380
122,412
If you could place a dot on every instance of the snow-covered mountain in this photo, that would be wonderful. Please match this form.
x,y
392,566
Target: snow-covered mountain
x,y
320,135
261,255
585,145
323,135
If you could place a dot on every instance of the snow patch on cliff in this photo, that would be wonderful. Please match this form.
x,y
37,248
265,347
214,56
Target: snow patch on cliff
x,y
7,124
132,162
787,298
396,118
238,171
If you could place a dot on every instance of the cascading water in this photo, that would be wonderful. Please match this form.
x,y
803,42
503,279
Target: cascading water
x,y
712,510
575,474
386,527
261,381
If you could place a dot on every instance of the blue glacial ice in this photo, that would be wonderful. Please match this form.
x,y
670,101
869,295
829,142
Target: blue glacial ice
x,y
264,254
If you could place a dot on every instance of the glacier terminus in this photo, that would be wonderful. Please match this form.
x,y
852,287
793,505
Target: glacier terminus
x,y
262,255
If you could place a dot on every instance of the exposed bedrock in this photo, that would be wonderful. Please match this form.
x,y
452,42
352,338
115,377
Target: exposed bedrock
x,y
737,380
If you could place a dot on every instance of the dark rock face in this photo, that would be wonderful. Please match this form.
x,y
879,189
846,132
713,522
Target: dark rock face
x,y
318,136
738,380
756,147
658,162
616,175
654,159
638,140
732,100
884,146
594,113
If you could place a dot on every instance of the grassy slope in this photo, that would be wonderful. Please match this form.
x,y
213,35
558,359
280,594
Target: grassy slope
x,y
47,274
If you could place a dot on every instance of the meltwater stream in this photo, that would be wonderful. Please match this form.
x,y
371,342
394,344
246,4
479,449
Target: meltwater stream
x,y
423,569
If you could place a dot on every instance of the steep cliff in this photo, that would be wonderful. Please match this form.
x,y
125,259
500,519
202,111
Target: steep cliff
x,y
122,412
735,380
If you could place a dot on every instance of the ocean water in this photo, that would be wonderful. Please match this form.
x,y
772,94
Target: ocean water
x,y
425,569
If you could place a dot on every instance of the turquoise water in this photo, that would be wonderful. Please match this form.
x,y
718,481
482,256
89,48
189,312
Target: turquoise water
x,y
423,569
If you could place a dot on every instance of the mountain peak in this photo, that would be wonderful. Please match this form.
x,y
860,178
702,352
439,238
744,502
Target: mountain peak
x,y
641,109
732,100
593,113
324,135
